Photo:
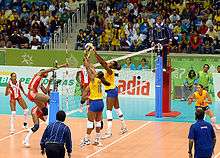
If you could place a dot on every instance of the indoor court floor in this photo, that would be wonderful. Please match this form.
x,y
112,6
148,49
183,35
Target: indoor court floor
x,y
148,137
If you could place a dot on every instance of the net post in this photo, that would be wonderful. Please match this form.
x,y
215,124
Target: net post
x,y
159,86
54,99
54,106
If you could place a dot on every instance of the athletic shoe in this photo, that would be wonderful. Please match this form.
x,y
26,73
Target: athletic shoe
x,y
25,126
97,143
84,142
12,131
26,144
107,135
123,130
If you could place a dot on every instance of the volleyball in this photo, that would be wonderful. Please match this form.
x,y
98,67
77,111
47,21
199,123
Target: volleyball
x,y
89,47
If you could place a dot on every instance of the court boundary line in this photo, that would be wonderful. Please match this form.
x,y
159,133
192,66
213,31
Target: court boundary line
x,y
119,139
26,130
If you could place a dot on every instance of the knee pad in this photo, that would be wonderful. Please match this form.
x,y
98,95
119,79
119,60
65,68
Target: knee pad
x,y
35,128
90,124
109,114
99,124
44,111
119,112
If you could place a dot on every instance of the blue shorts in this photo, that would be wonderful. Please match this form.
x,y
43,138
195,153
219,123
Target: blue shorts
x,y
112,92
203,108
96,105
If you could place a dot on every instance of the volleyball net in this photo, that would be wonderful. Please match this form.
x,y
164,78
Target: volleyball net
x,y
135,80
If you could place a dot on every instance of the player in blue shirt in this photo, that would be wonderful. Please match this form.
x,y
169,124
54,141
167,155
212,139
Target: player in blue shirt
x,y
202,135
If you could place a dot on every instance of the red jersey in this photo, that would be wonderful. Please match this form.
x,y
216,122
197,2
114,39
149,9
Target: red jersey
x,y
84,76
35,82
14,90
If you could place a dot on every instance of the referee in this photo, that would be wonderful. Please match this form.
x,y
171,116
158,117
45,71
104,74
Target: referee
x,y
203,136
55,136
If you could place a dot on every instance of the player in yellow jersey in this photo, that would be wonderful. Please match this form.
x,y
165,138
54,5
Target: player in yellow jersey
x,y
112,95
203,100
96,103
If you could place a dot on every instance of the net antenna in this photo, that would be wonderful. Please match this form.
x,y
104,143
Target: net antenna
x,y
65,92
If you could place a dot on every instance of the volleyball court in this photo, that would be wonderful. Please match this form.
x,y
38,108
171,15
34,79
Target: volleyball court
x,y
146,137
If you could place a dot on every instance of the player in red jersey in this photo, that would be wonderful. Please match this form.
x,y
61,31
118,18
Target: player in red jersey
x,y
37,114
14,88
40,98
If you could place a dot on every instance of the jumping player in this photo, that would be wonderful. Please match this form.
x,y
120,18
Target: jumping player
x,y
33,95
96,103
14,88
203,100
112,95
37,114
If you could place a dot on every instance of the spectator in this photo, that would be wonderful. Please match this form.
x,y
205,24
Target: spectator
x,y
15,39
203,29
195,42
183,42
205,78
54,138
24,41
143,65
218,69
80,39
129,65
208,44
174,17
202,135
189,85
212,33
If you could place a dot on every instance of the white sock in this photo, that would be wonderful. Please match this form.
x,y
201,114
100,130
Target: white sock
x,y
12,119
26,115
122,122
87,137
98,135
28,136
109,123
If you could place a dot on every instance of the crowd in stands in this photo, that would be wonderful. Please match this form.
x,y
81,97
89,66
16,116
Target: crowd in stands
x,y
127,25
26,24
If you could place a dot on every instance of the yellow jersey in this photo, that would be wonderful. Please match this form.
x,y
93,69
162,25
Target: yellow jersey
x,y
110,79
95,88
201,99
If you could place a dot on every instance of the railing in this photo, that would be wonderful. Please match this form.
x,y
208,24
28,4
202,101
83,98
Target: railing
x,y
59,37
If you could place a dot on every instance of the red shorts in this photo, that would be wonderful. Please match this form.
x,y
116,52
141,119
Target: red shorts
x,y
31,96
37,111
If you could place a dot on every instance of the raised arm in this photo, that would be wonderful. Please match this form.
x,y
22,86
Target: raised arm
x,y
90,69
100,75
103,63
52,69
